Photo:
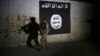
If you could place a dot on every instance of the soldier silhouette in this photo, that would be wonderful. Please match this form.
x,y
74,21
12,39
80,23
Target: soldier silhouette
x,y
32,29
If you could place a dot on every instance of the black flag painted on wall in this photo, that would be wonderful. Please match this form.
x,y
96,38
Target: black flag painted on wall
x,y
57,15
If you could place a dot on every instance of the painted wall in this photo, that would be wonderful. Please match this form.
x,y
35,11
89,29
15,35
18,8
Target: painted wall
x,y
16,13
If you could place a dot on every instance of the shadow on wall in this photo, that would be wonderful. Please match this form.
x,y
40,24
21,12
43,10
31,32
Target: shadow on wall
x,y
10,35
95,24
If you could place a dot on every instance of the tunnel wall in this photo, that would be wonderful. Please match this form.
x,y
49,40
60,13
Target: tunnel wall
x,y
16,13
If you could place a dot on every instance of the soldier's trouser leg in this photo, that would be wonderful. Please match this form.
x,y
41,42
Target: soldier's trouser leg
x,y
44,40
30,38
36,41
41,40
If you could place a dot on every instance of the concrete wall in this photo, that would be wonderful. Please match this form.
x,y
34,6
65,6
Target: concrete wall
x,y
15,13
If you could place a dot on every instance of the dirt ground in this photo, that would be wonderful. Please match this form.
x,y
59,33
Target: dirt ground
x,y
75,48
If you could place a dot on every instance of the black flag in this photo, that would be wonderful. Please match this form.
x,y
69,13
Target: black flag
x,y
57,15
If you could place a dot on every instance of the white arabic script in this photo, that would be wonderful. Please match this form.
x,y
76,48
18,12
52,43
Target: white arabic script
x,y
54,5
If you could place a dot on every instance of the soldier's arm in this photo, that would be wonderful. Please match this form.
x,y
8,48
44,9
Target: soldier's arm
x,y
23,27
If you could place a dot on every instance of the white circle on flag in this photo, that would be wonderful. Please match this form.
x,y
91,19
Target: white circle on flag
x,y
56,21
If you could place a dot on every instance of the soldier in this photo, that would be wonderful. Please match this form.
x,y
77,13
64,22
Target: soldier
x,y
44,31
32,29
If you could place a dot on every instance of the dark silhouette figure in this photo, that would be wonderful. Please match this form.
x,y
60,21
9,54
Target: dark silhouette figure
x,y
32,29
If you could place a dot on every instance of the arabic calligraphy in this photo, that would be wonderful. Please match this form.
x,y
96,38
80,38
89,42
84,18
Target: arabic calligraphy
x,y
54,5
56,21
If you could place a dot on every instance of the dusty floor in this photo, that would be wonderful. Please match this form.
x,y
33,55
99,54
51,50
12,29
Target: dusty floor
x,y
76,48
